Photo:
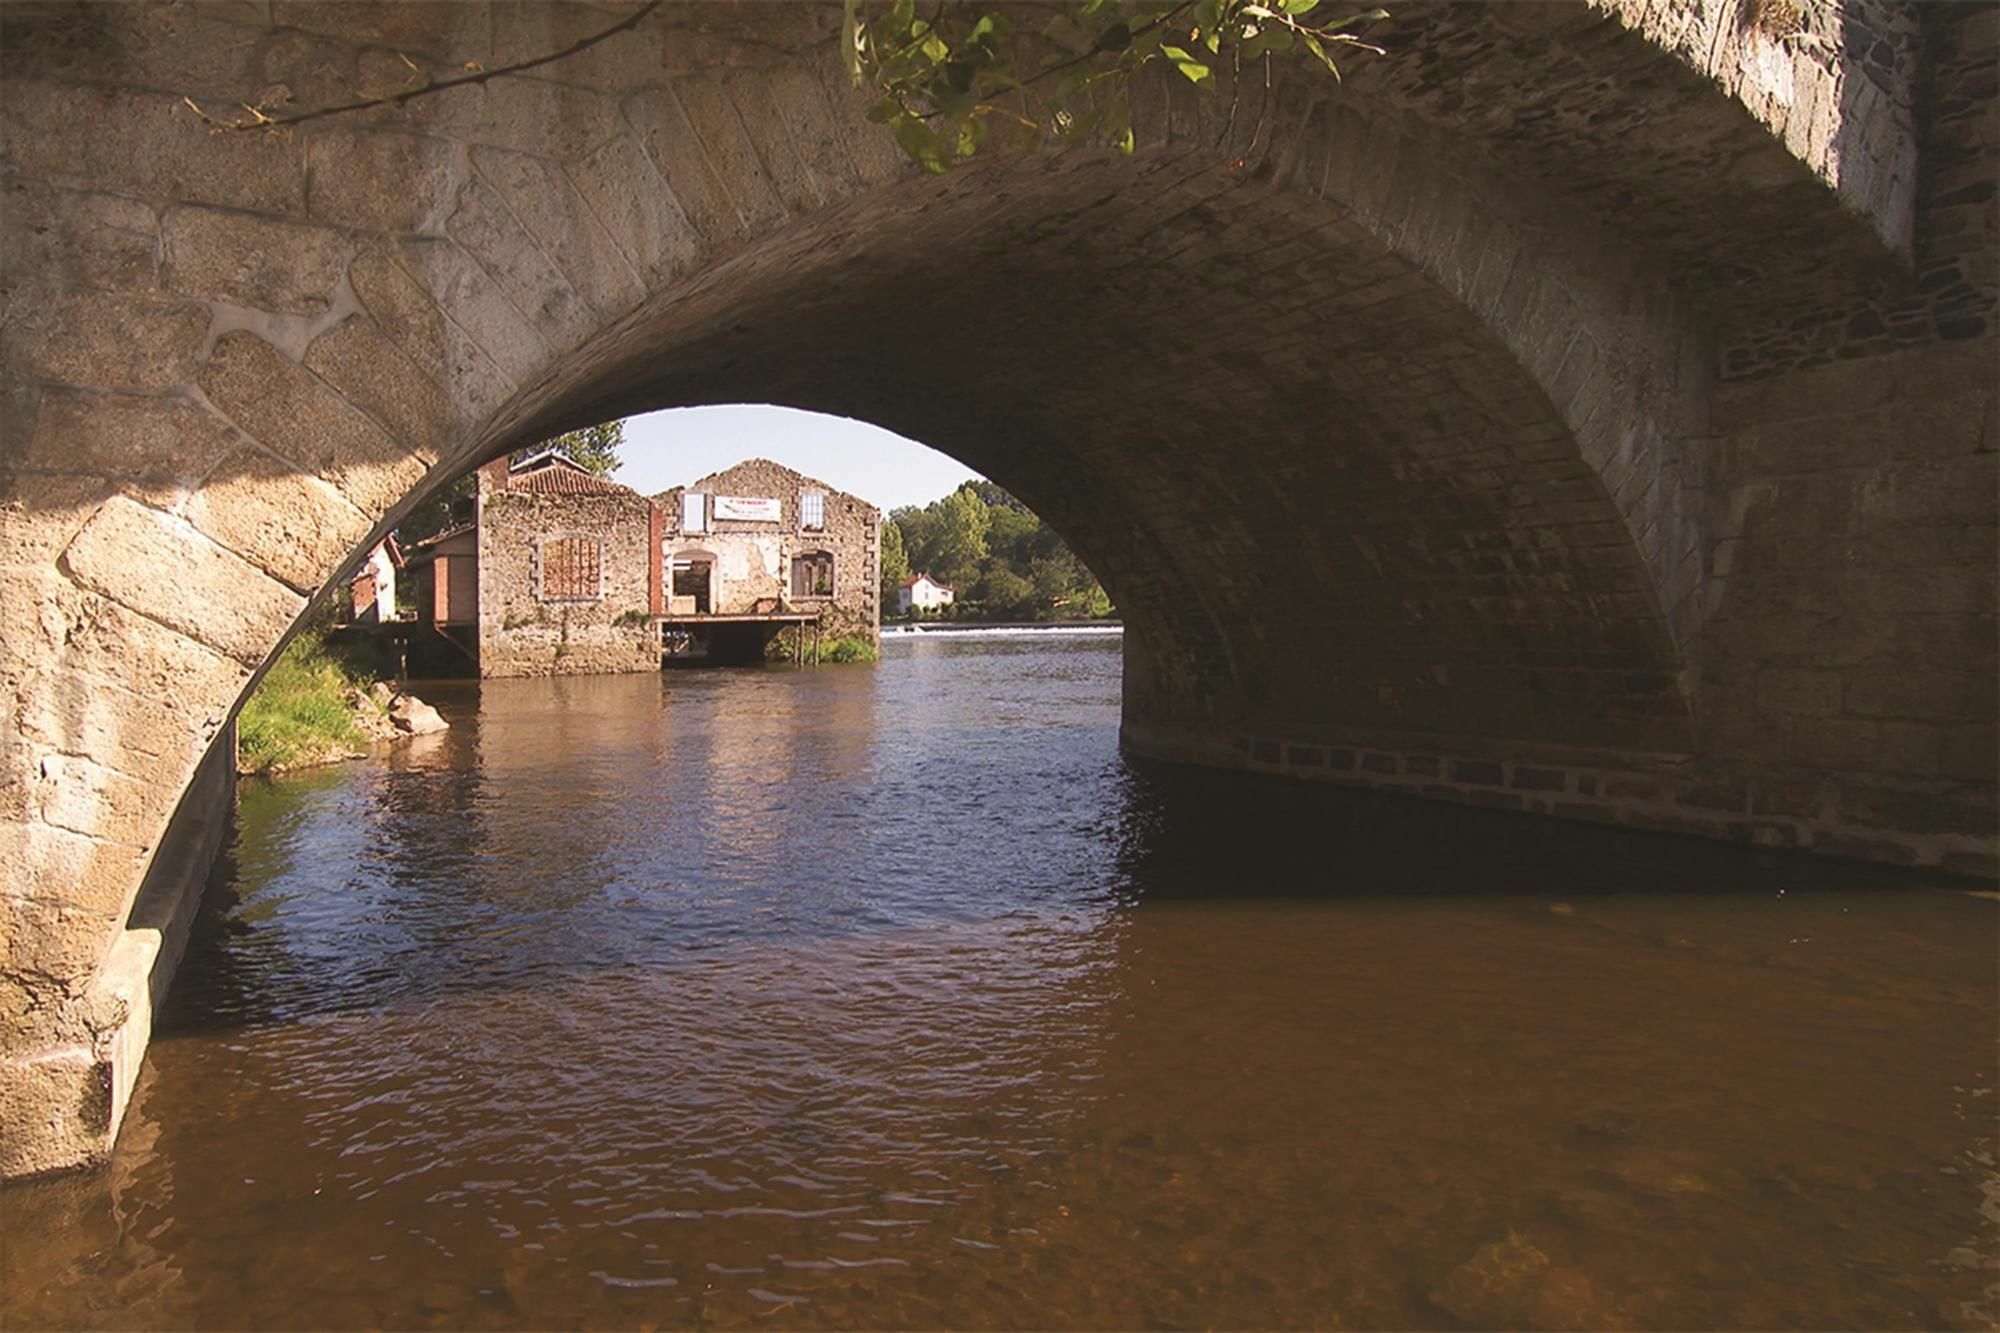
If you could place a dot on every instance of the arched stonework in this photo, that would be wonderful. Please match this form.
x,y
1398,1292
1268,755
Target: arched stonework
x,y
1388,411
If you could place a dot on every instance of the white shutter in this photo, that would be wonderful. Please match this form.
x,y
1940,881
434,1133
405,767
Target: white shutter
x,y
694,511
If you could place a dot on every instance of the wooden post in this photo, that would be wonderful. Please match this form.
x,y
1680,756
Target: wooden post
x,y
815,643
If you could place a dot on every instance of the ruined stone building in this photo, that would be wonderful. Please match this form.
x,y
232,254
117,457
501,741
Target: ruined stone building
x,y
758,548
563,573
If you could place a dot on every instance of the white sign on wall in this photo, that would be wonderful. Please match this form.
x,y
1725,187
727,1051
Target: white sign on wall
x,y
748,509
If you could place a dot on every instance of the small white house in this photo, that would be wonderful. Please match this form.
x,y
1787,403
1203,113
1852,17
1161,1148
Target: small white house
x,y
372,590
923,593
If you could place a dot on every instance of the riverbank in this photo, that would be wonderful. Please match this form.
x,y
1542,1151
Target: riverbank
x,y
315,706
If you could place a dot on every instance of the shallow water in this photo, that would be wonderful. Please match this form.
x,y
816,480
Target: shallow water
x,y
894,996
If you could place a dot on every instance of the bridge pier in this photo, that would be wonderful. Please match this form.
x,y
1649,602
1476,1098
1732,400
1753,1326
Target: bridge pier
x,y
62,1102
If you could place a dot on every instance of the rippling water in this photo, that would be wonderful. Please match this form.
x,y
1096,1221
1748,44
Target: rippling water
x,y
893,996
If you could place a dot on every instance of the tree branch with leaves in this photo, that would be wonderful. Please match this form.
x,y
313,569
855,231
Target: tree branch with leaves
x,y
952,85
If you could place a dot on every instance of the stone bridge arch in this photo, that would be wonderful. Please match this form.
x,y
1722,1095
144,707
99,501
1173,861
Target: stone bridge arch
x,y
1388,412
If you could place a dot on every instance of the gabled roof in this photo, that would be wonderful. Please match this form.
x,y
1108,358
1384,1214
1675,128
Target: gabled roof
x,y
915,579
706,484
552,473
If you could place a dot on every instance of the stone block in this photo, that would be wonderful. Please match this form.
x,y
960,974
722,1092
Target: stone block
x,y
159,149
104,340
286,522
549,206
381,180
1800,693
372,373
40,515
679,153
215,596
1944,696
154,445
261,262
791,100
56,1106
487,231
647,220
1837,743
477,304
57,239
79,796
139,734
555,121
748,179
1481,772
1540,779
63,639
294,415
1921,809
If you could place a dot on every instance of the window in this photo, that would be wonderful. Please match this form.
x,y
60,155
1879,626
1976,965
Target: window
x,y
812,575
571,569
812,511
694,511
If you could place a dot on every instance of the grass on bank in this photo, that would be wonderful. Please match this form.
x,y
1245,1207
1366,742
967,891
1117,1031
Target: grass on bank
x,y
299,713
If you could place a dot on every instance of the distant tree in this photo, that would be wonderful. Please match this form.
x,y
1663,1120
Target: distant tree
x,y
895,565
959,546
1006,595
919,528
594,448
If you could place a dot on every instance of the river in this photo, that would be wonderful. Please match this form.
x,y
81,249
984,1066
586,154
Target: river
x,y
894,996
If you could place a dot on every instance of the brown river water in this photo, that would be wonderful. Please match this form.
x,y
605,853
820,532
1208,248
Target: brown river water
x,y
894,996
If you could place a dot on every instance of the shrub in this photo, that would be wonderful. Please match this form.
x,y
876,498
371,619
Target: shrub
x,y
847,648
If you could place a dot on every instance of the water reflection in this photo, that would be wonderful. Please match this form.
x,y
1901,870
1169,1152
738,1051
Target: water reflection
x,y
894,998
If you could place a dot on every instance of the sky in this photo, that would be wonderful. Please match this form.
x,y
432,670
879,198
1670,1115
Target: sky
x,y
664,449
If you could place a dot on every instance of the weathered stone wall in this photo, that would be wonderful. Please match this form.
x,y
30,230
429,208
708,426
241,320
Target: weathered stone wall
x,y
1463,488
757,557
61,1103
522,632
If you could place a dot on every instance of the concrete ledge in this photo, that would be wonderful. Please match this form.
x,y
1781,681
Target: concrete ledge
x,y
1949,826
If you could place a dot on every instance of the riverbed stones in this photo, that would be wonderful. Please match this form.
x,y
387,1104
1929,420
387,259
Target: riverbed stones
x,y
414,717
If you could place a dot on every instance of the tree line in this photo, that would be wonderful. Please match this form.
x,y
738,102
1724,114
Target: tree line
x,y
999,559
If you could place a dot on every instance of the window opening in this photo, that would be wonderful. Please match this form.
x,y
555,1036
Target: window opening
x,y
571,569
812,575
691,580
812,511
694,511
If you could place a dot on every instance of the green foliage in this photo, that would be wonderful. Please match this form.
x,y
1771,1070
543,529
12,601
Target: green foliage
x,y
958,542
299,712
847,648
594,448
842,648
952,83
895,564
1016,569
